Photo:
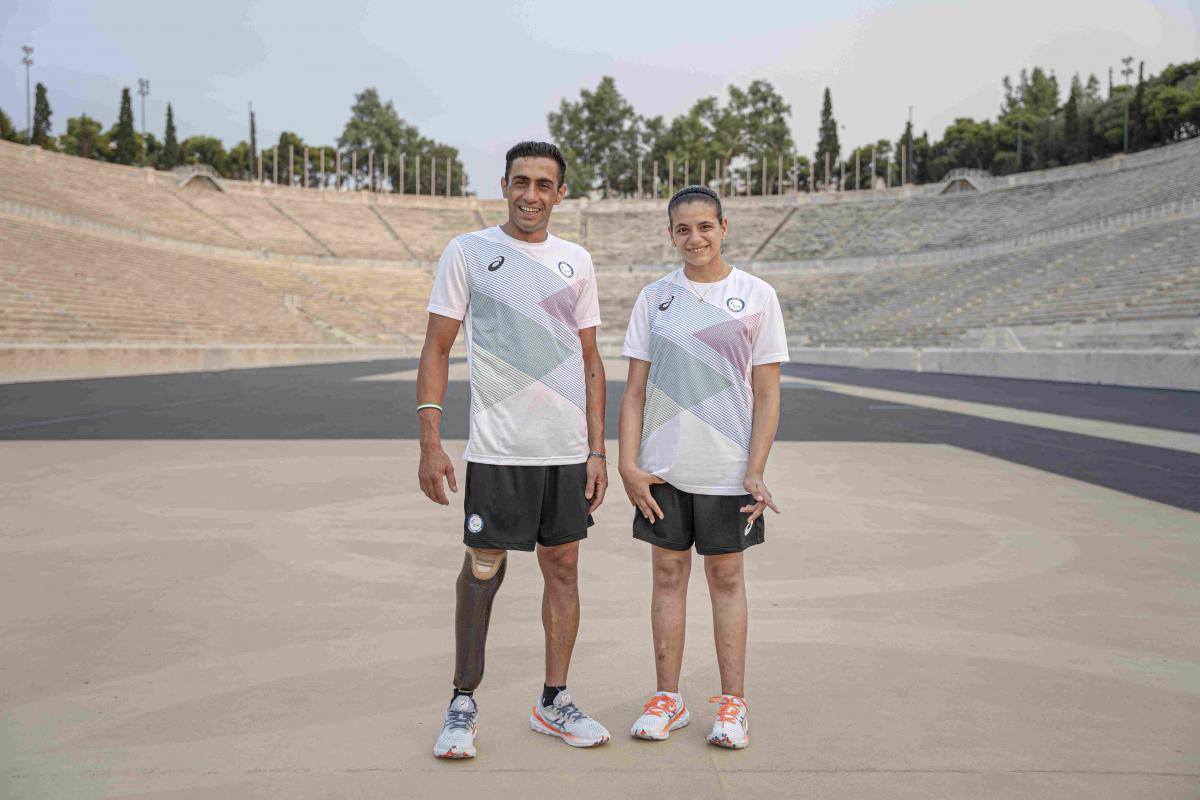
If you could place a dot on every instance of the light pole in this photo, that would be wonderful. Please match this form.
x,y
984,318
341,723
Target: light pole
x,y
27,60
143,90
1128,62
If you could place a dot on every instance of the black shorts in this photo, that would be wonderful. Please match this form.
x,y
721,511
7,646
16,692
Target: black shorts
x,y
513,507
713,522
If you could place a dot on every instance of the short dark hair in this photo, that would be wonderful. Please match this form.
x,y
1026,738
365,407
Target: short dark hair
x,y
693,193
535,150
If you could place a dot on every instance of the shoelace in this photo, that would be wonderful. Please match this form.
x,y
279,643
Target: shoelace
x,y
730,709
660,706
570,713
458,720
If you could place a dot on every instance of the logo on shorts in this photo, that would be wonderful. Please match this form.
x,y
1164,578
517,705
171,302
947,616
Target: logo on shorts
x,y
735,304
495,265
474,523
666,305
566,269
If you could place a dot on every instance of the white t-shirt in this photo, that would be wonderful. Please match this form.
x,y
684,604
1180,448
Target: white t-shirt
x,y
699,398
523,306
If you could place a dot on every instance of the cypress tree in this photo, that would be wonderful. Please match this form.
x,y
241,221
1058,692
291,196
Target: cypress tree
x,y
253,146
124,138
827,141
41,117
170,152
1071,127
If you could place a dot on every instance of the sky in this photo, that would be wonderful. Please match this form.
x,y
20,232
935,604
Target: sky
x,y
482,76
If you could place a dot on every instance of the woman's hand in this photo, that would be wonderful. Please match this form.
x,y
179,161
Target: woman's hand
x,y
637,487
756,488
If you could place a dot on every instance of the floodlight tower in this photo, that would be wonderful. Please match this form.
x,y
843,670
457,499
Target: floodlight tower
x,y
27,60
143,90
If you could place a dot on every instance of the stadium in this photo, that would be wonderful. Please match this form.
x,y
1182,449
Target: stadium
x,y
221,580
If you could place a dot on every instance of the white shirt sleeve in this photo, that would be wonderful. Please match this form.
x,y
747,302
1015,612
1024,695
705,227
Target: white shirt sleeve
x,y
587,305
637,335
450,292
769,345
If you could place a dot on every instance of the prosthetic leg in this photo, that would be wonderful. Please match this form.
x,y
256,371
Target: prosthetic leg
x,y
481,576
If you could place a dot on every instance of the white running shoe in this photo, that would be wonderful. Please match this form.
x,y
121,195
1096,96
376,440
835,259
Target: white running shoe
x,y
665,712
457,739
732,727
562,719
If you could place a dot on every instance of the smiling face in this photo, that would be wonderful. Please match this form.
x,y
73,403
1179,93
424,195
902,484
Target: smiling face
x,y
532,188
696,232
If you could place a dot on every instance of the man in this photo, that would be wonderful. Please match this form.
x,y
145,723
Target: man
x,y
536,462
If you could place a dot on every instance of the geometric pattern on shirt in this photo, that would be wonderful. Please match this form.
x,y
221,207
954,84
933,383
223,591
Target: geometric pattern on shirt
x,y
698,357
494,380
522,322
660,409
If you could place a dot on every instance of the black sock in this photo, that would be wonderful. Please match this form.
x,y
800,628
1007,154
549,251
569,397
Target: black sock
x,y
459,692
549,693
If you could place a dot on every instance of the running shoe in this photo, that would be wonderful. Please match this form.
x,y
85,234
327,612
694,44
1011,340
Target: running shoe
x,y
732,727
665,712
457,739
564,720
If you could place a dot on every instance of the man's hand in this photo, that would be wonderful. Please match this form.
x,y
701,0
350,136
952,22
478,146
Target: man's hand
x,y
637,487
754,486
597,481
435,465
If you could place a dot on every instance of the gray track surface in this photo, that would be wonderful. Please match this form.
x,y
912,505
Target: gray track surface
x,y
326,402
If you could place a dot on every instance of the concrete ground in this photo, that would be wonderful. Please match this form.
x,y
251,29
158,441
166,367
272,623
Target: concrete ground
x,y
227,585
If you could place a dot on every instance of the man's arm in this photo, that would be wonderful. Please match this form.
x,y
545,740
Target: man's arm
x,y
433,375
593,375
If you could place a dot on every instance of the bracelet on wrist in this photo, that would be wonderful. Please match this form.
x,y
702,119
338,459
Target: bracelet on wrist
x,y
597,454
429,405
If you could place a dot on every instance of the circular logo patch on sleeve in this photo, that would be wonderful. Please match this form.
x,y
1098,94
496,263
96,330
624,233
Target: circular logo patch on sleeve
x,y
735,304
474,523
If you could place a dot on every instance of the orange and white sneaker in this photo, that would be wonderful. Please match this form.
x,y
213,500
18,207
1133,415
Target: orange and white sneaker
x,y
665,712
562,718
732,727
457,739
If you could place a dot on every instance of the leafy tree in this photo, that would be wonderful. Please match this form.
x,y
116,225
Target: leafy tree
x,y
601,139
41,119
123,136
85,138
965,143
1075,144
749,132
827,139
237,160
169,157
205,150
375,125
286,139
7,131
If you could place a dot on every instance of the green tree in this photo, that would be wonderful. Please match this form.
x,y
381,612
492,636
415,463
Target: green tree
x,y
375,125
827,140
236,161
749,132
1075,144
965,143
169,158
123,136
205,150
7,132
600,136
84,138
41,119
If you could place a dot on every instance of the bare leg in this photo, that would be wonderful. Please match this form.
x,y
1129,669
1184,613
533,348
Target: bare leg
x,y
560,607
480,579
668,613
727,588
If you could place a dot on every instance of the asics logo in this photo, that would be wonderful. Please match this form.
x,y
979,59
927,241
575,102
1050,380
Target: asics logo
x,y
666,305
495,265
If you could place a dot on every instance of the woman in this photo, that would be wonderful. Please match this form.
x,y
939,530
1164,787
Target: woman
x,y
698,417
